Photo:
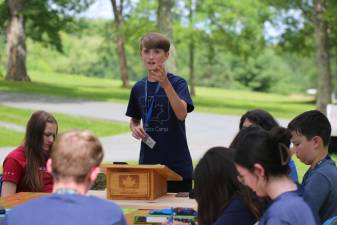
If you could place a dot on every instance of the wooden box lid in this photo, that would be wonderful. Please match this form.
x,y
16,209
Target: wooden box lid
x,y
158,168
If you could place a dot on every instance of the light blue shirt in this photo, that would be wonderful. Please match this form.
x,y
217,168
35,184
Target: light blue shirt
x,y
288,209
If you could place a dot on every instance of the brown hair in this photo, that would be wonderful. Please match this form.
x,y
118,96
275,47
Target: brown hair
x,y
154,40
33,143
74,154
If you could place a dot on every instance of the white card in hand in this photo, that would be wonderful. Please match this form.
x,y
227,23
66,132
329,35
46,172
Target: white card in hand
x,y
149,141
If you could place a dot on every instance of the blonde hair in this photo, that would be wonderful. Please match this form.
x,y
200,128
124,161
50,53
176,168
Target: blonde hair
x,y
74,154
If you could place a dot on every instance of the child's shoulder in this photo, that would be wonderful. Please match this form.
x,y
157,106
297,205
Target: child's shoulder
x,y
18,153
175,78
286,203
139,83
328,168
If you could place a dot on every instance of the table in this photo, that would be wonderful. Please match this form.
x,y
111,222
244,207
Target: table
x,y
166,201
19,198
141,206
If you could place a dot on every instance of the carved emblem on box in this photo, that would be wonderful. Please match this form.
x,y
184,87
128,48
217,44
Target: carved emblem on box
x,y
129,184
129,181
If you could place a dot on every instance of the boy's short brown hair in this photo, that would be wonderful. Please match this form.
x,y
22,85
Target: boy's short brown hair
x,y
74,154
154,40
312,123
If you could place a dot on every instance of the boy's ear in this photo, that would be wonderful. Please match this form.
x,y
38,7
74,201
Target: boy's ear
x,y
94,173
49,165
317,142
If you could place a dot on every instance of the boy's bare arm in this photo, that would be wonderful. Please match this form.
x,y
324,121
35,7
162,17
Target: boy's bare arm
x,y
136,128
178,105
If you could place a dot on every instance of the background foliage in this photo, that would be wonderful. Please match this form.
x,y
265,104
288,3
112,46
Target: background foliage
x,y
91,51
233,47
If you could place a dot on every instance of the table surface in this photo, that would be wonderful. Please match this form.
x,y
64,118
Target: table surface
x,y
166,201
19,198
142,206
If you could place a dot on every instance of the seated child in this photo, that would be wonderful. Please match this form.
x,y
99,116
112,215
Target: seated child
x,y
24,169
221,198
266,121
310,137
262,162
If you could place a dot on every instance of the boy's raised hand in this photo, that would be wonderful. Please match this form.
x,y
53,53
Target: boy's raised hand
x,y
159,74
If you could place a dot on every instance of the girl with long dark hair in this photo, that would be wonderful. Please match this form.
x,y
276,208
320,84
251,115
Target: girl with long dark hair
x,y
221,198
24,169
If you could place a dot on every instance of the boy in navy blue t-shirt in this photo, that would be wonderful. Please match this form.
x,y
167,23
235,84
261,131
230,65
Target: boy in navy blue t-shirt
x,y
310,136
158,107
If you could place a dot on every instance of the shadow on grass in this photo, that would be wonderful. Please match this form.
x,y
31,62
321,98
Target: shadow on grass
x,y
286,109
44,92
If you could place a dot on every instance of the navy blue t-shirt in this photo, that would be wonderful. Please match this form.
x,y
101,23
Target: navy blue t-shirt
x,y
164,127
236,213
66,209
288,209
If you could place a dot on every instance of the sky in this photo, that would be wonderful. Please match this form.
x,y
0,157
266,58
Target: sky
x,y
100,9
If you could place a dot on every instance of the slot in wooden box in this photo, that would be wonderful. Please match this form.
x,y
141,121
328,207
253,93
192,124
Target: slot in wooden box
x,y
142,182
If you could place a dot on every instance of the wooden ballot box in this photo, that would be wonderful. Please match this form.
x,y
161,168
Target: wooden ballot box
x,y
143,182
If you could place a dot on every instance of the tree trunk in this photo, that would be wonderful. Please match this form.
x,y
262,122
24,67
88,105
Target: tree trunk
x,y
191,49
164,19
16,43
322,56
164,23
123,67
191,66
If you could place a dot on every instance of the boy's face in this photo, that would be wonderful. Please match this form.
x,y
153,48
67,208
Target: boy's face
x,y
153,58
304,148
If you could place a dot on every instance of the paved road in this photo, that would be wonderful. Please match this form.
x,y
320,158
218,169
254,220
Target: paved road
x,y
203,130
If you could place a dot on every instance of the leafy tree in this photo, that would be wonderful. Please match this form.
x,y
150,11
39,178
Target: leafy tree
x,y
222,27
310,31
236,25
262,73
41,21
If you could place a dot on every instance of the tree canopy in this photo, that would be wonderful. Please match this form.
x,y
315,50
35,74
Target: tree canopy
x,y
218,43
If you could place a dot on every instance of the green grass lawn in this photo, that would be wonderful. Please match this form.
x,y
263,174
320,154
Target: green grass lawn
x,y
214,100
20,117
70,86
238,102
10,138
